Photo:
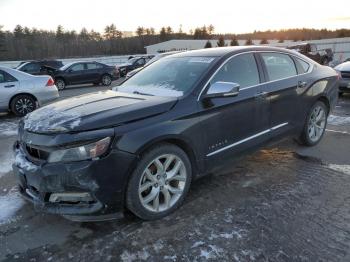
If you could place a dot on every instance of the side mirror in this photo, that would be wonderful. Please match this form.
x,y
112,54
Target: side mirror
x,y
222,89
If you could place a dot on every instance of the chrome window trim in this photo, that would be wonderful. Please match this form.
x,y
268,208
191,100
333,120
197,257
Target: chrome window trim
x,y
247,139
263,83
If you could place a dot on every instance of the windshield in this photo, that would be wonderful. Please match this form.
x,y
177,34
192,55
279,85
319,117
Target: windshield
x,y
170,76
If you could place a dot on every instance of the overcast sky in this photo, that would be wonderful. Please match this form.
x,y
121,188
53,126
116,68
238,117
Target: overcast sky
x,y
226,15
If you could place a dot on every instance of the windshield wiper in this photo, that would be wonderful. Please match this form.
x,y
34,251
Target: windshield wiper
x,y
139,93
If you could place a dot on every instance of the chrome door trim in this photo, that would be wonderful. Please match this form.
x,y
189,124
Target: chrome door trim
x,y
263,83
247,139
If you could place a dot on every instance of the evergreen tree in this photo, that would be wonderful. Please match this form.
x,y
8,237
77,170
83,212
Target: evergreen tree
x,y
249,42
208,44
221,41
264,41
234,41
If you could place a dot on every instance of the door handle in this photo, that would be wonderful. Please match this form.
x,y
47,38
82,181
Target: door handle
x,y
261,95
302,84
8,86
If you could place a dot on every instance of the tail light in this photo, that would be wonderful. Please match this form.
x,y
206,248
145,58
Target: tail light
x,y
50,82
338,75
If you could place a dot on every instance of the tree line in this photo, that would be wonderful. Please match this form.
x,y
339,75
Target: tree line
x,y
25,43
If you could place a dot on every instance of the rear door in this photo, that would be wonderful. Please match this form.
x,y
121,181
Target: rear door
x,y
281,90
92,72
8,87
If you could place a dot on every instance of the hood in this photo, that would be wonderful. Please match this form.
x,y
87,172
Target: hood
x,y
95,111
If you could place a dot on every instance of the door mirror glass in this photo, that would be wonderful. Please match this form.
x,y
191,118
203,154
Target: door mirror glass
x,y
222,89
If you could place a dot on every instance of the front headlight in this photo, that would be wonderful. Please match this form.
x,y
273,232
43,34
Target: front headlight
x,y
89,151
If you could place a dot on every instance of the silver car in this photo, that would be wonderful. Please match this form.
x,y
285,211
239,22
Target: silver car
x,y
21,93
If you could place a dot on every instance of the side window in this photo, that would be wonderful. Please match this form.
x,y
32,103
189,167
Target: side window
x,y
140,61
31,67
91,66
77,67
5,77
302,66
2,77
279,66
241,69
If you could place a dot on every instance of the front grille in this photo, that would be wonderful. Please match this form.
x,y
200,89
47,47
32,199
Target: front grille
x,y
345,74
36,153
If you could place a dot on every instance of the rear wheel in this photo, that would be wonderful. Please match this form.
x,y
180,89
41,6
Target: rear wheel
x,y
106,80
60,84
315,124
159,183
22,105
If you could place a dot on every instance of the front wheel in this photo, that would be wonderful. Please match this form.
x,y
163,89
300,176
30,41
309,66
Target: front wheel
x,y
22,105
159,183
315,124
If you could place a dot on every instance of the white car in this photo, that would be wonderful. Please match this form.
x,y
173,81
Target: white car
x,y
21,93
344,81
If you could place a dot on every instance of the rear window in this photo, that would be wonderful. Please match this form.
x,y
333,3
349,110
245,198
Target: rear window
x,y
279,66
302,66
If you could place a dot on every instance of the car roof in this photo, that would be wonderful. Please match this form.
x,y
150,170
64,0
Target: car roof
x,y
223,51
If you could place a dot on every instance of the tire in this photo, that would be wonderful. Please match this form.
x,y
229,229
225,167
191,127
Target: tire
x,y
325,61
22,105
106,80
314,129
149,183
60,83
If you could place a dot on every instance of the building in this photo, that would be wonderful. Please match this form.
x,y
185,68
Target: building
x,y
340,46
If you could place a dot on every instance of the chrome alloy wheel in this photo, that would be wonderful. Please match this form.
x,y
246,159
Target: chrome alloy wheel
x,y
24,106
162,183
317,123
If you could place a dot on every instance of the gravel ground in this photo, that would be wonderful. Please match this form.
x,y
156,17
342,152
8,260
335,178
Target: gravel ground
x,y
282,203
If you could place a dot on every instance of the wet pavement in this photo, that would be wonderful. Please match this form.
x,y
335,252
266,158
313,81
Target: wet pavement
x,y
282,203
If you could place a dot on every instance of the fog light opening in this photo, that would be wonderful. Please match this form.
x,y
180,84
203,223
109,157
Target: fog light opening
x,y
72,198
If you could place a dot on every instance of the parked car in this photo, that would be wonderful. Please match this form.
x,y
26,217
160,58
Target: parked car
x,y
22,93
155,58
139,146
321,56
344,71
132,64
41,67
85,73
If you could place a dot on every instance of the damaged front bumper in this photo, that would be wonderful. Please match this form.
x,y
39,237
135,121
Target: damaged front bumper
x,y
84,190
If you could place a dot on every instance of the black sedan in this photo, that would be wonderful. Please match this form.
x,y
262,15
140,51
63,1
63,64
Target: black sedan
x,y
85,73
140,146
40,67
132,64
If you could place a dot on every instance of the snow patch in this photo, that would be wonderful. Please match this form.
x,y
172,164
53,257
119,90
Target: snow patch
x,y
8,128
197,244
164,90
9,205
23,163
158,246
173,258
6,163
50,119
213,253
338,120
340,168
140,255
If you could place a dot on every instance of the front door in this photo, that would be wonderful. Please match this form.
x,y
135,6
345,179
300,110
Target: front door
x,y
233,124
76,74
